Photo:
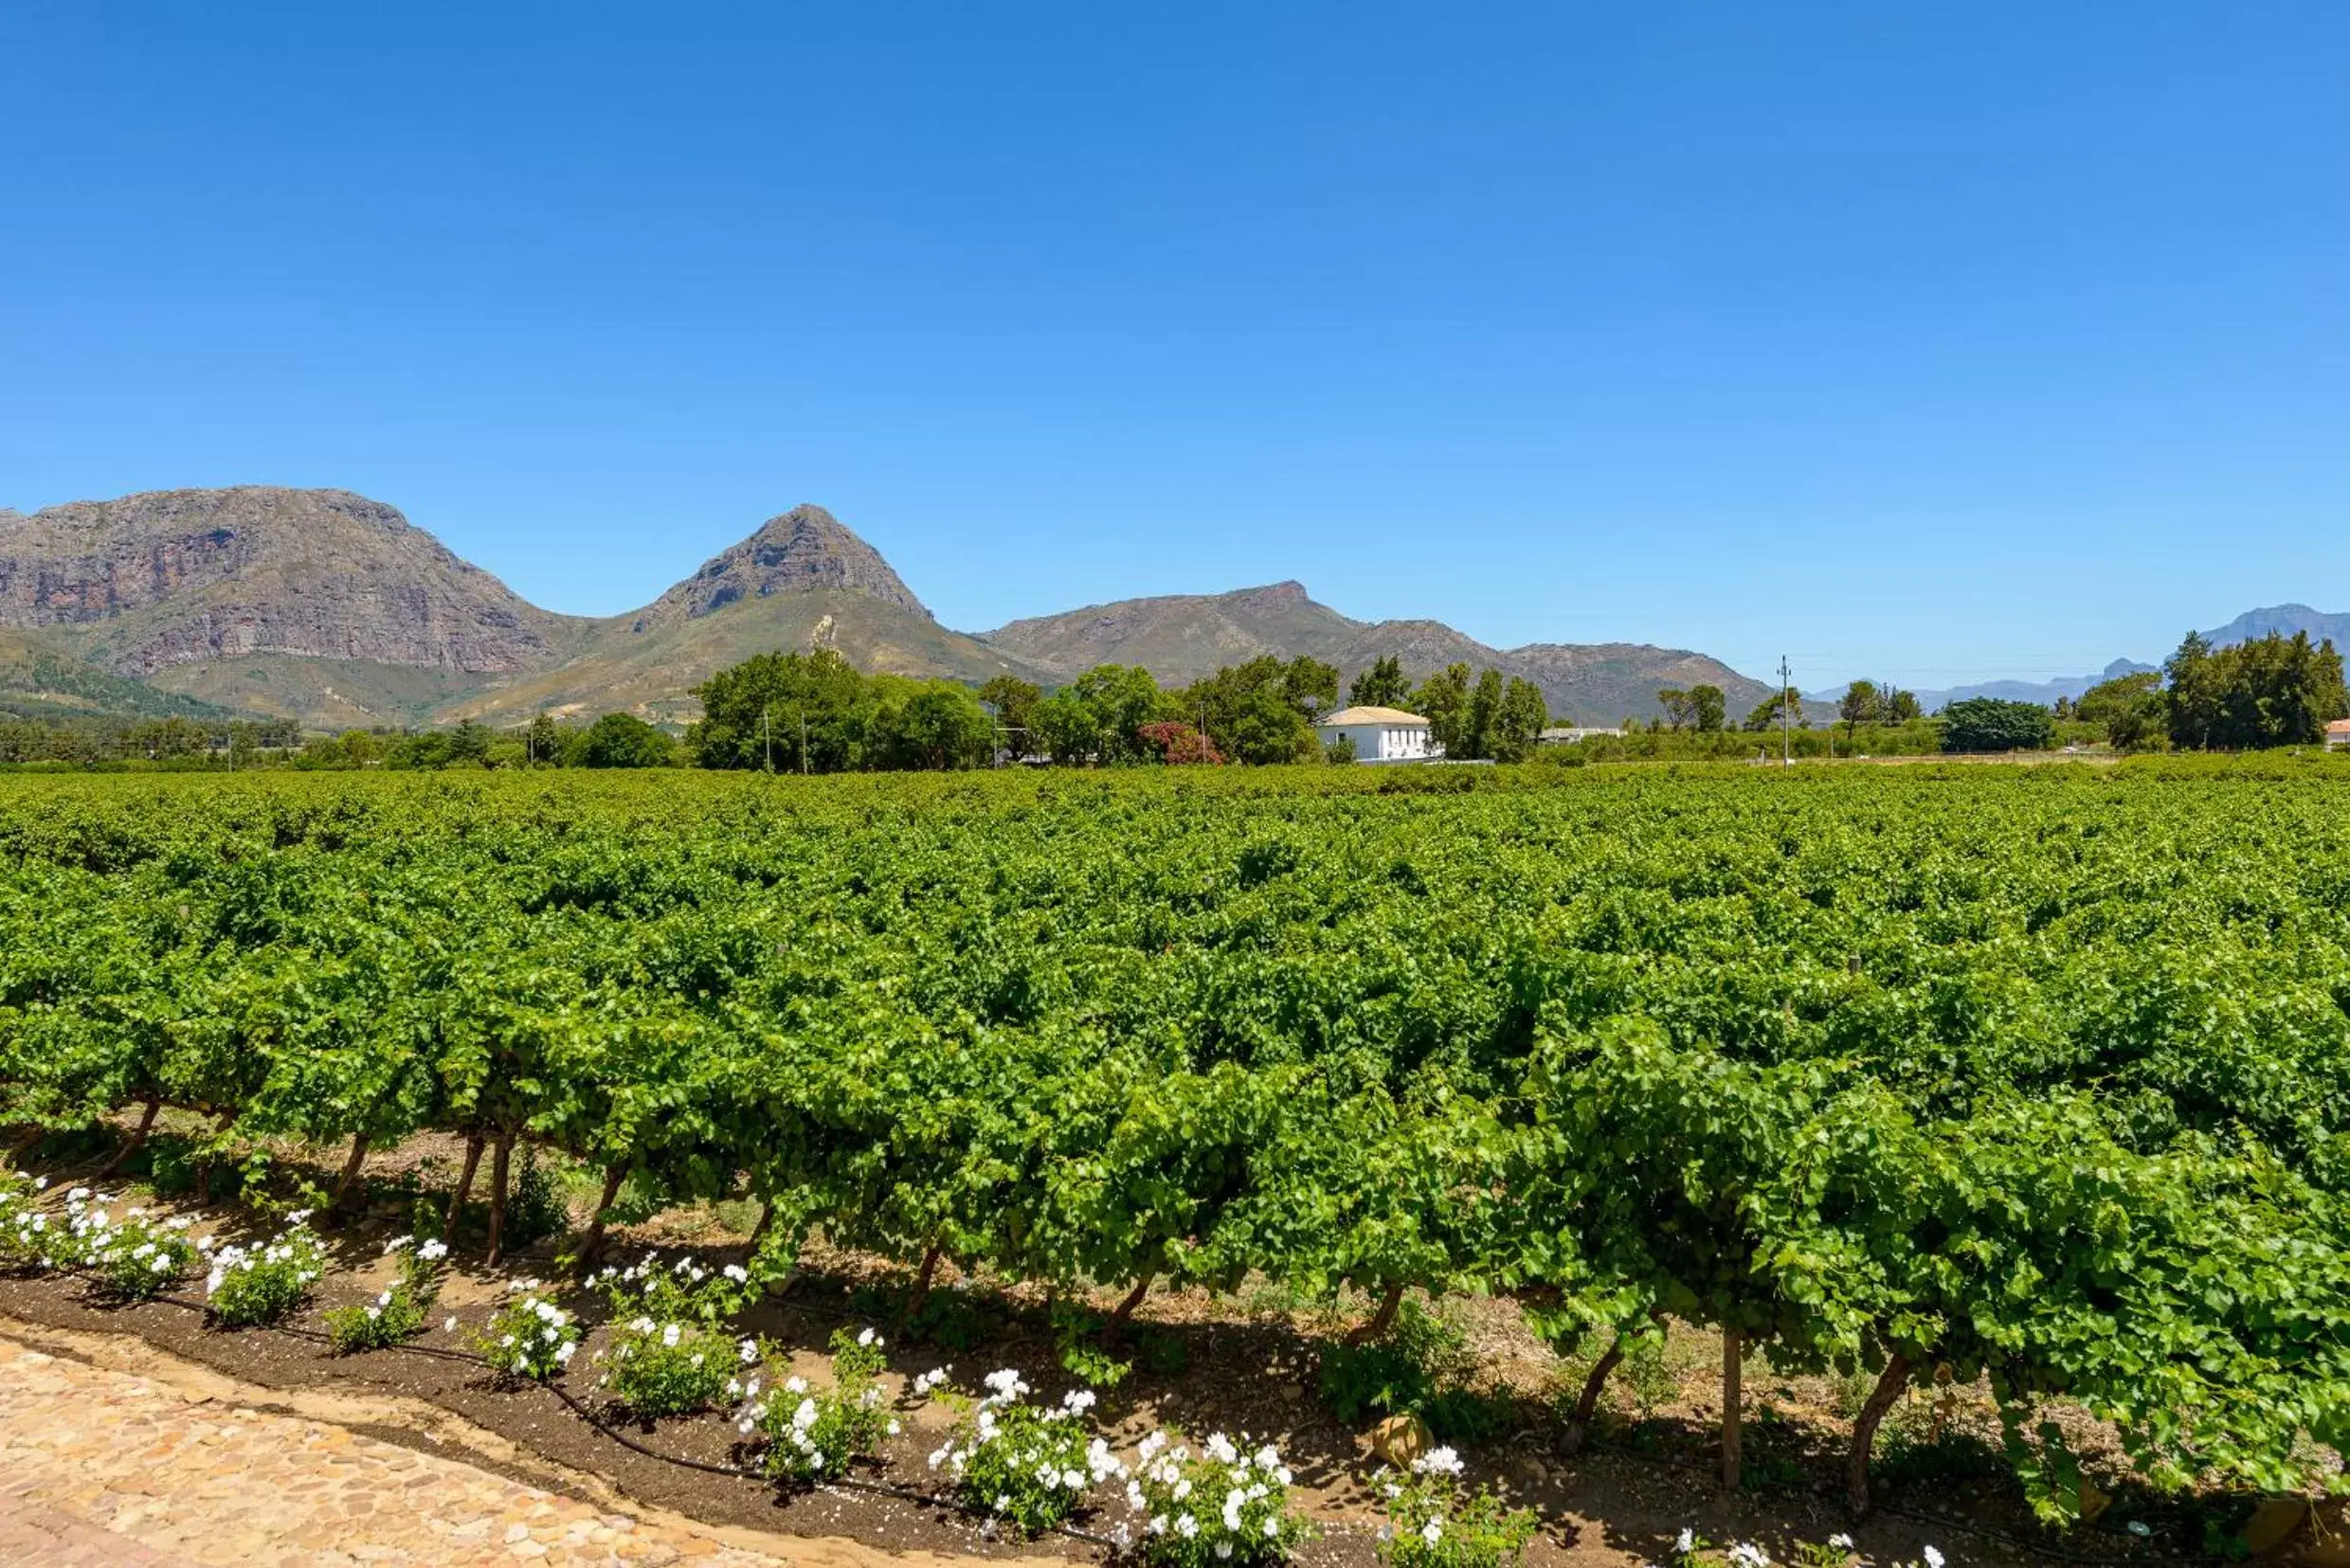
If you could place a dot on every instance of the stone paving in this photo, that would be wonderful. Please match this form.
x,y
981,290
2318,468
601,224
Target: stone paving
x,y
101,1469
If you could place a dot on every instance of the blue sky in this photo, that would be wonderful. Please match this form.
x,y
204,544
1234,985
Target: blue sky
x,y
1931,342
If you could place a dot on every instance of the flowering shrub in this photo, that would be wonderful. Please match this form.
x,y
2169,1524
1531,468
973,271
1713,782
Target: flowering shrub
x,y
812,1436
24,1229
1694,1551
1432,1525
1016,1462
399,1312
139,1259
1223,1505
668,1355
260,1285
531,1337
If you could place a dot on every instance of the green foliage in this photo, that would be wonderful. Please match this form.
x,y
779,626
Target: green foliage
x,y
2130,710
1026,1465
1225,1505
2034,1073
1433,1522
251,1286
1991,724
815,1435
2269,691
624,740
670,1354
1408,1371
1382,685
398,1314
530,1337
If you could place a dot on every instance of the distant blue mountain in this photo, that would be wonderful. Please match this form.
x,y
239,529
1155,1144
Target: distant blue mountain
x,y
2285,620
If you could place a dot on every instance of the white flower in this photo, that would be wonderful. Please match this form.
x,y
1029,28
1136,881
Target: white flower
x,y
891,1429
669,1335
736,1272
1432,1532
1746,1555
1078,1399
1072,1480
450,1326
1933,1558
1438,1461
795,1385
1841,1542
804,1416
433,1252
938,1456
1272,1527
1688,1543
1186,1526
1223,1550
864,1336
565,1351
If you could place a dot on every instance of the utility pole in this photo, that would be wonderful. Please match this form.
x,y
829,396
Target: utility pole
x,y
767,738
1787,717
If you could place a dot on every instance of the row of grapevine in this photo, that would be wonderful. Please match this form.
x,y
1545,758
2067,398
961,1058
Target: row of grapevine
x,y
2035,1075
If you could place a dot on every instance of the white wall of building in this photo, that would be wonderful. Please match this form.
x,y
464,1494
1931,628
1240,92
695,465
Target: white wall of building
x,y
1381,743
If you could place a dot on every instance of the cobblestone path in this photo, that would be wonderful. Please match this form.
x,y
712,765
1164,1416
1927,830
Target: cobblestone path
x,y
102,1469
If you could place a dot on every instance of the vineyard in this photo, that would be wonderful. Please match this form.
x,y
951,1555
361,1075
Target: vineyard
x,y
2038,1077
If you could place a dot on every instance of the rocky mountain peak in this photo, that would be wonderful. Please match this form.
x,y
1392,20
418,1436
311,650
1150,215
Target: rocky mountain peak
x,y
171,577
804,548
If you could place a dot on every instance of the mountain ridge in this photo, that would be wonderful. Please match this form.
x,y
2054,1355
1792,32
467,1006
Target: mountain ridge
x,y
329,607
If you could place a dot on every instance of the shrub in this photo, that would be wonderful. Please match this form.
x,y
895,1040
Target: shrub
x,y
668,1355
1223,1505
812,1436
25,1241
1432,1523
398,1314
250,1286
1420,1367
141,1257
1027,1466
530,1337
536,1208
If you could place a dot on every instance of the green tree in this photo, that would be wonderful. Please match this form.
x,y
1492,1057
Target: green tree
x,y
543,743
796,711
1901,707
1861,705
470,744
1708,708
2129,707
1767,713
1014,702
1989,724
1443,701
624,740
936,727
1518,721
1381,686
2193,680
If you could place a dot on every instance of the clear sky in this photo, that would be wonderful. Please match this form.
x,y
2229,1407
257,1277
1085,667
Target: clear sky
x,y
1925,341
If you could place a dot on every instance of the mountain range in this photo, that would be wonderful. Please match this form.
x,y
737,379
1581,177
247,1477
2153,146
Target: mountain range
x,y
2282,620
334,610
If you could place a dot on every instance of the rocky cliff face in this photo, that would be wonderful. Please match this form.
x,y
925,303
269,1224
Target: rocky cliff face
x,y
806,548
171,577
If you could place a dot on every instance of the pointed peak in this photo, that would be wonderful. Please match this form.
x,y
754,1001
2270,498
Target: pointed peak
x,y
806,548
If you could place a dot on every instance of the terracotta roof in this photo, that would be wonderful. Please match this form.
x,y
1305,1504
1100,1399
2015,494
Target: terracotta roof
x,y
1373,715
2340,726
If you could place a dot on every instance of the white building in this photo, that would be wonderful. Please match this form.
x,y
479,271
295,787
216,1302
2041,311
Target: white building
x,y
1380,734
1568,734
2337,735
